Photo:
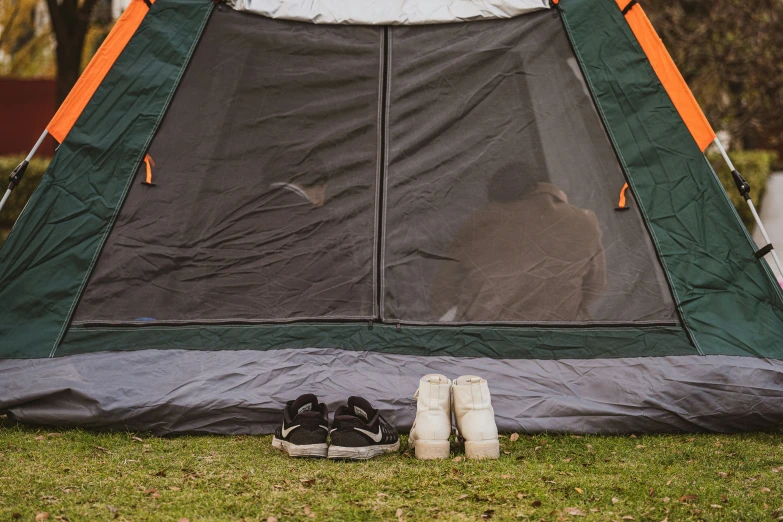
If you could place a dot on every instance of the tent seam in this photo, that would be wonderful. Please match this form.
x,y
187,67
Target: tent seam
x,y
631,181
131,177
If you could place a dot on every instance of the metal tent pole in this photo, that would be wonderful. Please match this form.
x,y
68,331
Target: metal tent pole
x,y
744,190
18,173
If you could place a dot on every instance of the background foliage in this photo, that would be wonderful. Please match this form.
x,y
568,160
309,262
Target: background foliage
x,y
22,193
731,54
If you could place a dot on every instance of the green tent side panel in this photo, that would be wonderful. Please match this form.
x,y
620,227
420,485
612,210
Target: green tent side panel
x,y
467,341
727,298
51,250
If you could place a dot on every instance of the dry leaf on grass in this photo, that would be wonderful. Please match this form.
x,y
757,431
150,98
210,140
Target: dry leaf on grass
x,y
579,490
506,476
514,437
183,519
43,515
457,459
150,491
576,512
627,517
271,519
307,482
398,513
40,437
174,488
307,510
615,500
688,498
137,439
54,434
536,503
486,515
463,496
665,499
765,490
723,474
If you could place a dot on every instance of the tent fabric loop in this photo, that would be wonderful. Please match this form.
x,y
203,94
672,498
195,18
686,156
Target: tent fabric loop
x,y
148,161
623,204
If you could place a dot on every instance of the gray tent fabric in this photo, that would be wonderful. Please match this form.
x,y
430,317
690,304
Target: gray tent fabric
x,y
167,391
388,12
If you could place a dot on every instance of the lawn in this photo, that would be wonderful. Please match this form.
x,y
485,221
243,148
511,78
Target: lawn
x,y
56,474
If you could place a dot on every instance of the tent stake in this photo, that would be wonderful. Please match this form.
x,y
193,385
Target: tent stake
x,y
18,173
744,189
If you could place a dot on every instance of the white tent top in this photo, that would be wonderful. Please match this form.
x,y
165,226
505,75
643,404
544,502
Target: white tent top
x,y
388,12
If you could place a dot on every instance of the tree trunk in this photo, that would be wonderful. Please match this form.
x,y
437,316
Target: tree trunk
x,y
70,22
68,67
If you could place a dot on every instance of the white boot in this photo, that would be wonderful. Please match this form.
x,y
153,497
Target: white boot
x,y
475,417
431,430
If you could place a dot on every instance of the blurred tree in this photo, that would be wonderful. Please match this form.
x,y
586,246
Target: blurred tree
x,y
26,42
70,22
51,38
731,54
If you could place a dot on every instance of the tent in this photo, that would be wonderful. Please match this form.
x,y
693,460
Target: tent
x,y
257,199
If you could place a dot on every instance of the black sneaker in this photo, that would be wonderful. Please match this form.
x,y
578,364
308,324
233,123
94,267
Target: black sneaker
x,y
360,432
305,427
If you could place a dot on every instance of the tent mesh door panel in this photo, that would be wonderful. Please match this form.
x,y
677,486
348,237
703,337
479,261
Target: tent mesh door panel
x,y
499,186
502,186
264,171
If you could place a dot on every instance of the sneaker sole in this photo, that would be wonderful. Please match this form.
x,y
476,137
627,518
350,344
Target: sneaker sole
x,y
300,450
361,453
431,449
482,449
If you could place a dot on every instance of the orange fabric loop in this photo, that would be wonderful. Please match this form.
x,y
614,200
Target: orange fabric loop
x,y
622,203
150,164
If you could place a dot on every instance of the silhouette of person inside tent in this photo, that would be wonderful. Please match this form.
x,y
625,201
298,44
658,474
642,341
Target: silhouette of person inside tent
x,y
528,256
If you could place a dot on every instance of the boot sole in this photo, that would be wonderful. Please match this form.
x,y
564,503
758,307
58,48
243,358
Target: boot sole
x,y
362,453
482,449
431,449
300,450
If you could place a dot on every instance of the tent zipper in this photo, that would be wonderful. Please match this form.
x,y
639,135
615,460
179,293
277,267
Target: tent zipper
x,y
384,100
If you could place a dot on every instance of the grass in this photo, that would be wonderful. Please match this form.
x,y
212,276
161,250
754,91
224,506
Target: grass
x,y
81,475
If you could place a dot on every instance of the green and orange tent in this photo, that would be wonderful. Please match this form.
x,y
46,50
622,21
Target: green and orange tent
x,y
256,199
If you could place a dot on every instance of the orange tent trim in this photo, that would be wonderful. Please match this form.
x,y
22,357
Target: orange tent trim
x,y
97,69
669,75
